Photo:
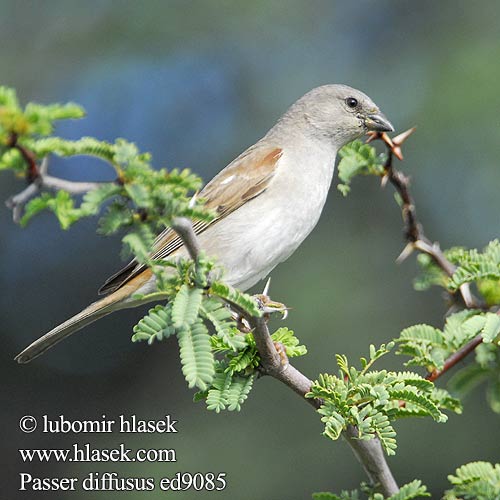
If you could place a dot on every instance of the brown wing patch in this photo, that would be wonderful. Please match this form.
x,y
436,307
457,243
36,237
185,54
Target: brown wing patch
x,y
245,178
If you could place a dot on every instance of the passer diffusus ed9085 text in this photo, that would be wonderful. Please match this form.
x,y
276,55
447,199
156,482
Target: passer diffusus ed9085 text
x,y
267,201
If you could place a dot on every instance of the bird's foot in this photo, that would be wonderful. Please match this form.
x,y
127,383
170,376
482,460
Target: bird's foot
x,y
269,306
281,350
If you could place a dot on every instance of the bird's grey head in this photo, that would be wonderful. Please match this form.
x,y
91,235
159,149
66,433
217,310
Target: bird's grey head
x,y
338,113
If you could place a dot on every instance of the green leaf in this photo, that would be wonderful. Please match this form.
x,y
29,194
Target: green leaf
x,y
475,481
116,217
61,204
491,328
424,403
196,355
236,298
156,325
94,198
221,318
238,390
35,206
8,97
357,158
415,489
186,306
139,242
290,342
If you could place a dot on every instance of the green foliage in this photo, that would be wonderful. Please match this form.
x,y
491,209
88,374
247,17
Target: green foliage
x,y
344,495
371,400
142,201
34,120
60,203
239,300
409,491
156,325
186,306
358,158
237,368
485,369
429,347
475,481
196,355
220,316
472,266
415,489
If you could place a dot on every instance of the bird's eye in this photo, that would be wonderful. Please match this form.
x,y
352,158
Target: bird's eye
x,y
351,102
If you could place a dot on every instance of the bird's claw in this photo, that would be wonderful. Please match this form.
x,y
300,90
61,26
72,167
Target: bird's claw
x,y
281,350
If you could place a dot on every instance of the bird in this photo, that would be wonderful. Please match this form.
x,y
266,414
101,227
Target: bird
x,y
266,202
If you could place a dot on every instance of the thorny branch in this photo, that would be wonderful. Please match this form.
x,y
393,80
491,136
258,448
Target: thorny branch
x,y
369,453
417,240
456,357
413,230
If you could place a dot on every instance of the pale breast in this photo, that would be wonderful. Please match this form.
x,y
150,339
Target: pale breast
x,y
265,231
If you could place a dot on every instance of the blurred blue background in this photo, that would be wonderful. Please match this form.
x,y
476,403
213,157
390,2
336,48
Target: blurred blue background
x,y
195,83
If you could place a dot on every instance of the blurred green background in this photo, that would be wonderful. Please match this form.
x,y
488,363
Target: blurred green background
x,y
195,83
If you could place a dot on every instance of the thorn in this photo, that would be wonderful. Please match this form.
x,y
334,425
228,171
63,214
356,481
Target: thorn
x,y
192,201
407,251
384,180
387,139
44,165
266,288
373,136
399,139
396,151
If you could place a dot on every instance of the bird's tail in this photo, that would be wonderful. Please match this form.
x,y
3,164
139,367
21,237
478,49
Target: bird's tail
x,y
93,312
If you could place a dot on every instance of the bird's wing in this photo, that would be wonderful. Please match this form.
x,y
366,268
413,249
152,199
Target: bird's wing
x,y
245,178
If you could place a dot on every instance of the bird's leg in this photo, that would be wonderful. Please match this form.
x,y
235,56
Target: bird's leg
x,y
269,307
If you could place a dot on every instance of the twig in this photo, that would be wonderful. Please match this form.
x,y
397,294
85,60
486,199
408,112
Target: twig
x,y
16,203
272,364
368,452
183,227
413,230
55,183
456,357
38,180
29,157
416,239
371,456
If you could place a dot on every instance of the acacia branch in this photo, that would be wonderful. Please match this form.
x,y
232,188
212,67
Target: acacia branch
x,y
369,452
416,239
413,229
38,180
456,357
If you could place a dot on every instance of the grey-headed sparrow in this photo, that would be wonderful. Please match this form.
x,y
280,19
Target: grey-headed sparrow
x,y
267,201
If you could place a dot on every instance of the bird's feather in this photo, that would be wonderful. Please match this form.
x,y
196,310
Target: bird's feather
x,y
245,178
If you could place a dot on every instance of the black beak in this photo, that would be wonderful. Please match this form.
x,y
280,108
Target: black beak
x,y
378,123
